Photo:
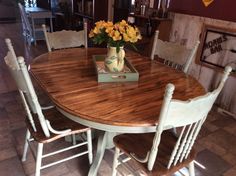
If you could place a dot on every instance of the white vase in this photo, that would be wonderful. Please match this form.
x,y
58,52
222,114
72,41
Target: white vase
x,y
114,62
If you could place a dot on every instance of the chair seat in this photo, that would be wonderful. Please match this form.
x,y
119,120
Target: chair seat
x,y
59,122
141,143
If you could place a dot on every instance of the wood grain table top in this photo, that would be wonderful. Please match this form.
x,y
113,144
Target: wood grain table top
x,y
69,78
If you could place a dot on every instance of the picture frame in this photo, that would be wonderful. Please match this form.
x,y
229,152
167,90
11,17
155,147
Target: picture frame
x,y
218,48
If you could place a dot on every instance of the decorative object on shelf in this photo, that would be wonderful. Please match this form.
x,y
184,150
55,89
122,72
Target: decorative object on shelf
x,y
28,3
116,36
162,8
143,8
207,2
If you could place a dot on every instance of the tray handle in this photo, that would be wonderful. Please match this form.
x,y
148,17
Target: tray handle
x,y
118,76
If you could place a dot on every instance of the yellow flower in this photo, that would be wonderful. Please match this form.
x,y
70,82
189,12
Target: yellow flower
x,y
108,24
120,33
116,36
138,33
96,30
131,32
126,37
91,34
111,33
121,29
100,24
109,29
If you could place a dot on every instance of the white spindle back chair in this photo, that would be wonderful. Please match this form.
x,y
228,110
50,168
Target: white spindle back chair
x,y
39,127
26,91
174,55
65,38
189,115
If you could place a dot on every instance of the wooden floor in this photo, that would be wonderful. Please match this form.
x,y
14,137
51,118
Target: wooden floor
x,y
216,143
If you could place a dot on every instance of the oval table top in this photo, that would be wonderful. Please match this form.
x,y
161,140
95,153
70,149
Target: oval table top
x,y
69,78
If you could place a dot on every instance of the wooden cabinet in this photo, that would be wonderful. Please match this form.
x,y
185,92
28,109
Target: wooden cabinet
x,y
144,14
122,8
70,14
152,15
91,10
147,26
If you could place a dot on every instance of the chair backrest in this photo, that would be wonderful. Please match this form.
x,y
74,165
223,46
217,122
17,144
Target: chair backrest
x,y
21,76
65,39
174,55
24,19
189,115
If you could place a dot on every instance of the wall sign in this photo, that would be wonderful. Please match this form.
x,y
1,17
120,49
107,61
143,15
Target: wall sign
x,y
218,47
207,2
218,9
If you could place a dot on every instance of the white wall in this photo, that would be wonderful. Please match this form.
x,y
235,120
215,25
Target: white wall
x,y
186,29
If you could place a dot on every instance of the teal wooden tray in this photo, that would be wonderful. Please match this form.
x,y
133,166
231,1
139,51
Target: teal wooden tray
x,y
128,74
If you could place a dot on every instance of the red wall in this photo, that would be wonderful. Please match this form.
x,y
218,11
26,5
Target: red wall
x,y
218,9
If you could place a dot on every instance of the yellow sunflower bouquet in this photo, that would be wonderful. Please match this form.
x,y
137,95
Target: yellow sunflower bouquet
x,y
115,35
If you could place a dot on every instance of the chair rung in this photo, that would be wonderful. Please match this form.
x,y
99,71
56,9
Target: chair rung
x,y
126,159
121,153
65,159
126,166
31,139
123,161
32,150
65,149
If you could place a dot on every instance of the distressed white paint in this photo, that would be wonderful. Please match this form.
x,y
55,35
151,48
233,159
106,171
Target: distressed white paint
x,y
189,114
175,55
65,39
20,74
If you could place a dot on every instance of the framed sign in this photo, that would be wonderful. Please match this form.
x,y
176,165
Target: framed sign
x,y
218,47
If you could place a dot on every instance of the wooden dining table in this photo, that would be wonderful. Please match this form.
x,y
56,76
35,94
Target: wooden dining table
x,y
69,78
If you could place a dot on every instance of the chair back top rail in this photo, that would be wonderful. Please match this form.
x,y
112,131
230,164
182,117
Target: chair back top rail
x,y
65,38
173,52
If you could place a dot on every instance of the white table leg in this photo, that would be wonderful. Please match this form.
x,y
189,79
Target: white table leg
x,y
101,146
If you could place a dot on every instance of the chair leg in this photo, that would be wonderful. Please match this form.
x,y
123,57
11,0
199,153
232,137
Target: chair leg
x,y
191,169
39,159
115,161
90,148
26,146
73,139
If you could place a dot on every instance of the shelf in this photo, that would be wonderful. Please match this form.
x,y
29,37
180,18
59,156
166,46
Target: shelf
x,y
83,15
149,17
91,9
